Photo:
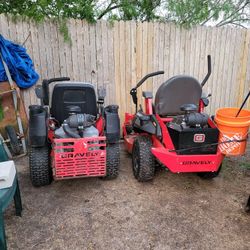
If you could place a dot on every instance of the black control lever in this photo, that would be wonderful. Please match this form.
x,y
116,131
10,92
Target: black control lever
x,y
147,76
133,91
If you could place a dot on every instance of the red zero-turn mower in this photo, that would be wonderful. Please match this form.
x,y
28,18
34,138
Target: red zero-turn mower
x,y
72,135
174,131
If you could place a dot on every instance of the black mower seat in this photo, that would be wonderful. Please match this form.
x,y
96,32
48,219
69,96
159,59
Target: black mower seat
x,y
72,94
174,93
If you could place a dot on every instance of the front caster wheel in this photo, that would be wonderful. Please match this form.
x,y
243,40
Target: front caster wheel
x,y
142,159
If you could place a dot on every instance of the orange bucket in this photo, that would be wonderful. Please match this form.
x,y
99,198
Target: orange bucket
x,y
232,128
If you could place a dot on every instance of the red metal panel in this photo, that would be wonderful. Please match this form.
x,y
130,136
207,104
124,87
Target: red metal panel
x,y
148,106
188,163
201,106
100,125
82,157
129,142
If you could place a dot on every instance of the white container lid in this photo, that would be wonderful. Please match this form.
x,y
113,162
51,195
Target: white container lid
x,y
7,174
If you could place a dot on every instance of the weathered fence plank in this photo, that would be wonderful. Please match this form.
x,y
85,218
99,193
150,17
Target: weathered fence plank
x,y
117,55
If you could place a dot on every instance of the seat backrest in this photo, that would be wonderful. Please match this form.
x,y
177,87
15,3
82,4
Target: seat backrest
x,y
76,94
175,92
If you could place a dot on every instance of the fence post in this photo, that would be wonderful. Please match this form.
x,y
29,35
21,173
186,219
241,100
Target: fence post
x,y
243,67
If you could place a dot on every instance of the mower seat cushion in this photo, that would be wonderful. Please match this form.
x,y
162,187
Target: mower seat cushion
x,y
73,94
174,93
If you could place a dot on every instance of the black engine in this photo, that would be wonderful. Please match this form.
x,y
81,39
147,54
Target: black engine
x,y
191,134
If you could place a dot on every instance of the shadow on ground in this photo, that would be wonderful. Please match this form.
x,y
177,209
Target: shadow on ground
x,y
174,211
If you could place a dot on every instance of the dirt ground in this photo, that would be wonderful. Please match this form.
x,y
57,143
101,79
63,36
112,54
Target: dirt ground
x,y
174,211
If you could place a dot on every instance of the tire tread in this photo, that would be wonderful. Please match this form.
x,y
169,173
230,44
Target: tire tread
x,y
14,143
113,161
146,168
40,172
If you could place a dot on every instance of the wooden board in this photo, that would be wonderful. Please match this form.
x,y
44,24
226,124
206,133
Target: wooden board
x,y
7,105
117,55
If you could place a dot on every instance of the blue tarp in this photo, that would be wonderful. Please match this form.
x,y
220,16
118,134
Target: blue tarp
x,y
19,63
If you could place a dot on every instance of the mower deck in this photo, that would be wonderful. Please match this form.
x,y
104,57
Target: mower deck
x,y
181,163
74,135
165,153
188,163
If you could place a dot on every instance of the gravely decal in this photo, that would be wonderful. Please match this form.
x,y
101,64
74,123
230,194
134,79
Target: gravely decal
x,y
196,162
71,155
199,138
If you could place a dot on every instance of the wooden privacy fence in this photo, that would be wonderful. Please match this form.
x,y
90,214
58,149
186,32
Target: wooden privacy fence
x,y
117,55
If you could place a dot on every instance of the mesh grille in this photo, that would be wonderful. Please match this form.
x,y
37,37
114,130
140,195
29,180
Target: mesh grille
x,y
79,157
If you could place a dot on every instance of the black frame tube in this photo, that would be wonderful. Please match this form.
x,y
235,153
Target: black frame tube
x,y
209,69
133,91
147,76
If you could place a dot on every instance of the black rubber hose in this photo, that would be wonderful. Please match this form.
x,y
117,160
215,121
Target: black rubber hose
x,y
69,132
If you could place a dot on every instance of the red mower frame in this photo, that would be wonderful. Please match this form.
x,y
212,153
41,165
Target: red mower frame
x,y
73,135
76,158
162,147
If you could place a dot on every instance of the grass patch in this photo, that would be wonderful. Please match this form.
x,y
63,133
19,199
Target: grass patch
x,y
245,165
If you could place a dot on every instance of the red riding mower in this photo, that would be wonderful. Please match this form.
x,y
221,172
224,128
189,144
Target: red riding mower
x,y
174,131
72,135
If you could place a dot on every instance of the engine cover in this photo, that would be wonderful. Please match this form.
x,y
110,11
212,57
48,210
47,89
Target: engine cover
x,y
193,141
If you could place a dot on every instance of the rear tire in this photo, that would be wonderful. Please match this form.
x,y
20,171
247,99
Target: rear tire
x,y
14,142
40,171
209,175
113,161
143,160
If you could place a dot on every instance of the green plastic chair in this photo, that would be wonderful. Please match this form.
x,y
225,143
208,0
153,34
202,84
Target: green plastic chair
x,y
6,196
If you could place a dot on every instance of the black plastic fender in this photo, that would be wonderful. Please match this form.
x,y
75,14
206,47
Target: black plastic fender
x,y
37,126
146,123
112,123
